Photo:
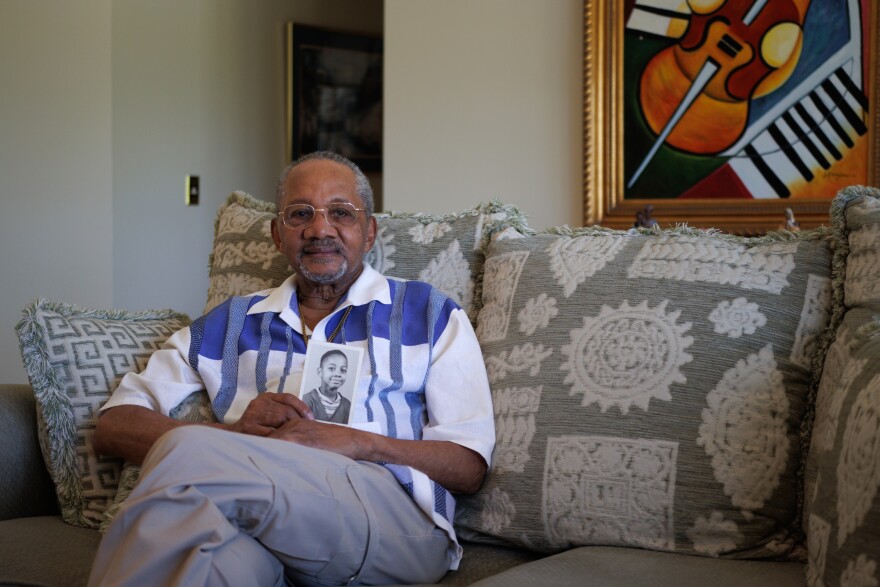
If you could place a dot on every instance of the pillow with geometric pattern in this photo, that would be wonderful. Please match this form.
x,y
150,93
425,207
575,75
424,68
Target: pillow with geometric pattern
x,y
446,251
74,359
648,388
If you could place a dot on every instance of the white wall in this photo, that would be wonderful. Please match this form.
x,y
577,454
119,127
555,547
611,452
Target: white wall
x,y
105,107
484,100
56,224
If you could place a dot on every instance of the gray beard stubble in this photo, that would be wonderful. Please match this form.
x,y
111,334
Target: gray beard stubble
x,y
323,278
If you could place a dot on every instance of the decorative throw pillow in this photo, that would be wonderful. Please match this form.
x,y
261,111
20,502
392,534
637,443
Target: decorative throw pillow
x,y
74,359
244,258
648,388
446,251
842,507
842,513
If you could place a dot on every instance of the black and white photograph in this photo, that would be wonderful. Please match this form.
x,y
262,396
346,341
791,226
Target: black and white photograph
x,y
329,381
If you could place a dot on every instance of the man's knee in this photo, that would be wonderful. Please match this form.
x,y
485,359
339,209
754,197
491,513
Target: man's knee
x,y
184,444
244,562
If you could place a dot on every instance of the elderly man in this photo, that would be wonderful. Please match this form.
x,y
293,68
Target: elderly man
x,y
268,494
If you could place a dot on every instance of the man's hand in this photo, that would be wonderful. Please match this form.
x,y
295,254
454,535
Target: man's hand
x,y
130,431
335,438
269,411
455,467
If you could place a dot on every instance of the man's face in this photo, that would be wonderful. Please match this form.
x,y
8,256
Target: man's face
x,y
319,252
333,371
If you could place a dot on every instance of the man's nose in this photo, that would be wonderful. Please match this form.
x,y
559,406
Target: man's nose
x,y
320,225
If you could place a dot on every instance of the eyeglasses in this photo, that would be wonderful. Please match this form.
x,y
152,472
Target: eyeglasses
x,y
337,214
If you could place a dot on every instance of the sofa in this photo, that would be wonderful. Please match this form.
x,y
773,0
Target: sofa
x,y
673,406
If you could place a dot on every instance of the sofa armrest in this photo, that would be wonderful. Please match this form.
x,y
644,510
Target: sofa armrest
x,y
25,486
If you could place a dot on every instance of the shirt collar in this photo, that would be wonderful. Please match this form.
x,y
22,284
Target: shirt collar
x,y
369,286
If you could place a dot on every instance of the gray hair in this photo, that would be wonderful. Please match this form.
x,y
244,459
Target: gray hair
x,y
362,184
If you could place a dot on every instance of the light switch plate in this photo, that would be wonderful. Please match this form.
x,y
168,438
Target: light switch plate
x,y
192,190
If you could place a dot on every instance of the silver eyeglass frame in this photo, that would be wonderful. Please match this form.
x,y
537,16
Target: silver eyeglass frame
x,y
323,212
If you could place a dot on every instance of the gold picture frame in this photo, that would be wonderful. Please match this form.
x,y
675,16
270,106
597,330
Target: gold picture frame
x,y
606,200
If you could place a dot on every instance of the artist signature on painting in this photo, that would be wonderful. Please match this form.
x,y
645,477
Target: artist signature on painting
x,y
832,175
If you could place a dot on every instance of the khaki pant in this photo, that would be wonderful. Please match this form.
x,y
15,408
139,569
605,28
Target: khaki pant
x,y
219,508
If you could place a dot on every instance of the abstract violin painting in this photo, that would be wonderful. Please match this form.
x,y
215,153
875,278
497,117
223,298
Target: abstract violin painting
x,y
735,108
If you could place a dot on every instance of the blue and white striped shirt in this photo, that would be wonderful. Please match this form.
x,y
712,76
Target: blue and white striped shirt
x,y
424,377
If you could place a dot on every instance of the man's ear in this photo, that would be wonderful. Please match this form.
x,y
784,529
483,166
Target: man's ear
x,y
372,228
276,235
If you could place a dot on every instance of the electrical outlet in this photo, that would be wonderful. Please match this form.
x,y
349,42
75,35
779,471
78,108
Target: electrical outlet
x,y
192,190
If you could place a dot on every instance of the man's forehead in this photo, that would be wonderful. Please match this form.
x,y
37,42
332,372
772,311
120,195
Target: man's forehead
x,y
309,174
331,181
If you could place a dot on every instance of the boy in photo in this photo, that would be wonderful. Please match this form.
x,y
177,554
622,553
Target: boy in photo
x,y
325,401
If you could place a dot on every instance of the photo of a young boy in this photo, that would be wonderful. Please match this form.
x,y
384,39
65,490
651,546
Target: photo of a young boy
x,y
326,400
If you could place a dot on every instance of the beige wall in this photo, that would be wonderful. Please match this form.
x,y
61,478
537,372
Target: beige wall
x,y
105,107
56,229
483,100
208,99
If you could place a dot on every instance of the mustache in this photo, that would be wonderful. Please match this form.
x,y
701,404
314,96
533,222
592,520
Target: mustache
x,y
323,244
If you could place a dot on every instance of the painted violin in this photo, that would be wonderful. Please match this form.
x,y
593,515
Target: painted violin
x,y
696,95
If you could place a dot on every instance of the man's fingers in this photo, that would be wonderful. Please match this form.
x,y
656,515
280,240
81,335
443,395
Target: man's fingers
x,y
274,409
252,428
299,407
261,430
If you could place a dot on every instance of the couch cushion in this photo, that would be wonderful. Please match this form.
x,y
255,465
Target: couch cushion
x,y
598,566
25,486
445,251
46,551
648,388
74,359
842,508
484,560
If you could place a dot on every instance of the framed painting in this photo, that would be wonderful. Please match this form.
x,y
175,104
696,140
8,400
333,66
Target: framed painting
x,y
334,94
728,114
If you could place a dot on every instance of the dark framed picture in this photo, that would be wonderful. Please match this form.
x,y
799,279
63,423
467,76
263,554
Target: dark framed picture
x,y
728,114
334,94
